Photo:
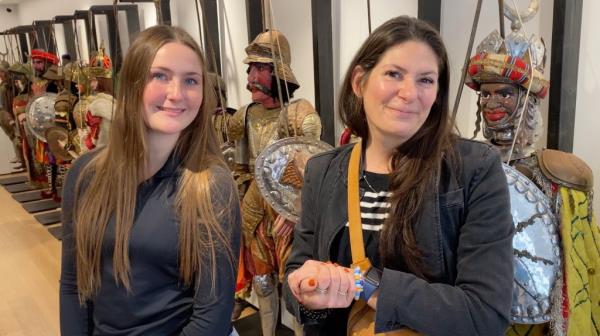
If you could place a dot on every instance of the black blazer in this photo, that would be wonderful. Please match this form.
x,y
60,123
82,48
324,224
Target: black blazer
x,y
465,233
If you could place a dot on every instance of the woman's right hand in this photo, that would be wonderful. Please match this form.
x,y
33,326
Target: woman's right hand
x,y
318,285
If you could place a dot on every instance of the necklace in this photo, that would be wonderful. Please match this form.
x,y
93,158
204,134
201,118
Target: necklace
x,y
369,184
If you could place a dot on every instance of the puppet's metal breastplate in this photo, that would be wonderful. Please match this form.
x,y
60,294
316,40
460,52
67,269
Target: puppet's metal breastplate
x,y
40,115
537,260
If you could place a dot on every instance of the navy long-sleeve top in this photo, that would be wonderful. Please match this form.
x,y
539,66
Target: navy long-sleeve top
x,y
159,303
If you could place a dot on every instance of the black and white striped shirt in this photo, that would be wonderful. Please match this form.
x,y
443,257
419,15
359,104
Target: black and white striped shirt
x,y
374,209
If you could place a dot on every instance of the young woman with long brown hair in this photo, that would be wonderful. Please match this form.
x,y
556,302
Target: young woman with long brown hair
x,y
434,208
151,221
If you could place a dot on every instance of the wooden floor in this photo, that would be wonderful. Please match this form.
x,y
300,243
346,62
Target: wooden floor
x,y
29,273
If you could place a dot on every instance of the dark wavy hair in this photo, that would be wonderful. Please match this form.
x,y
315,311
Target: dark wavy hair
x,y
417,162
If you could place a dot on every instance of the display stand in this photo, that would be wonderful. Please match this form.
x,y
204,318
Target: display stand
x,y
27,196
19,187
38,206
56,231
10,179
47,218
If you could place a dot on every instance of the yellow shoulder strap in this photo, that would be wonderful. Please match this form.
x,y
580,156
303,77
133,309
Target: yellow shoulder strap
x,y
357,246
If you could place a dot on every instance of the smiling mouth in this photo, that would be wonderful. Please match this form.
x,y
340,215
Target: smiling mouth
x,y
399,110
171,110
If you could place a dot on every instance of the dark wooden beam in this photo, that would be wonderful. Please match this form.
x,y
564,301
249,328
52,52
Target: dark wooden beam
x,y
566,33
67,22
254,18
63,18
43,29
163,9
430,11
323,64
133,22
20,33
24,47
116,53
211,35
90,28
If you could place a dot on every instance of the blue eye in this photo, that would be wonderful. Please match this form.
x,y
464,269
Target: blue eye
x,y
427,80
158,76
191,81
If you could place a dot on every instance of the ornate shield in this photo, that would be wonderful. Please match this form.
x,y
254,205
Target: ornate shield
x,y
537,258
279,172
40,114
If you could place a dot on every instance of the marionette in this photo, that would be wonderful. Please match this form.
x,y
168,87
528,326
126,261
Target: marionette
x,y
271,116
7,119
93,113
60,136
41,61
556,247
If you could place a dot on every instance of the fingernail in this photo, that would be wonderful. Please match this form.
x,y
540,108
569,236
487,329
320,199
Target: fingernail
x,y
312,282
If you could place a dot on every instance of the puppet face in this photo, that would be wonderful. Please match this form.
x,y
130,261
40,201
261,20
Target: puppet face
x,y
260,81
498,102
39,66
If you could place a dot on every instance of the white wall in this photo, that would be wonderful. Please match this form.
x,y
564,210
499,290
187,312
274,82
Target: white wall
x,y
8,20
291,17
587,118
234,38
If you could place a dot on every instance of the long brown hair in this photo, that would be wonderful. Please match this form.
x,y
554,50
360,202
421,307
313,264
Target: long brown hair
x,y
115,173
417,162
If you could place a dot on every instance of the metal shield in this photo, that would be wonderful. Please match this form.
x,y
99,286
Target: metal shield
x,y
537,259
271,165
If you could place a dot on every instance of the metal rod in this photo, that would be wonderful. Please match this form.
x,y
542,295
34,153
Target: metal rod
x,y
78,49
159,17
369,14
466,64
501,16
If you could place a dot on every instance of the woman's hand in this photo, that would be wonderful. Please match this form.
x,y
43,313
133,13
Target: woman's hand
x,y
318,285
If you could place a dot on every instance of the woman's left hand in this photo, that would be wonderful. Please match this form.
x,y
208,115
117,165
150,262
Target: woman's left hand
x,y
319,285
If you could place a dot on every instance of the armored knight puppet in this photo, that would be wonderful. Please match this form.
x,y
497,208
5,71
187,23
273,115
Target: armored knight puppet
x,y
93,113
60,135
28,109
41,61
271,116
556,244
21,75
7,118
39,116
